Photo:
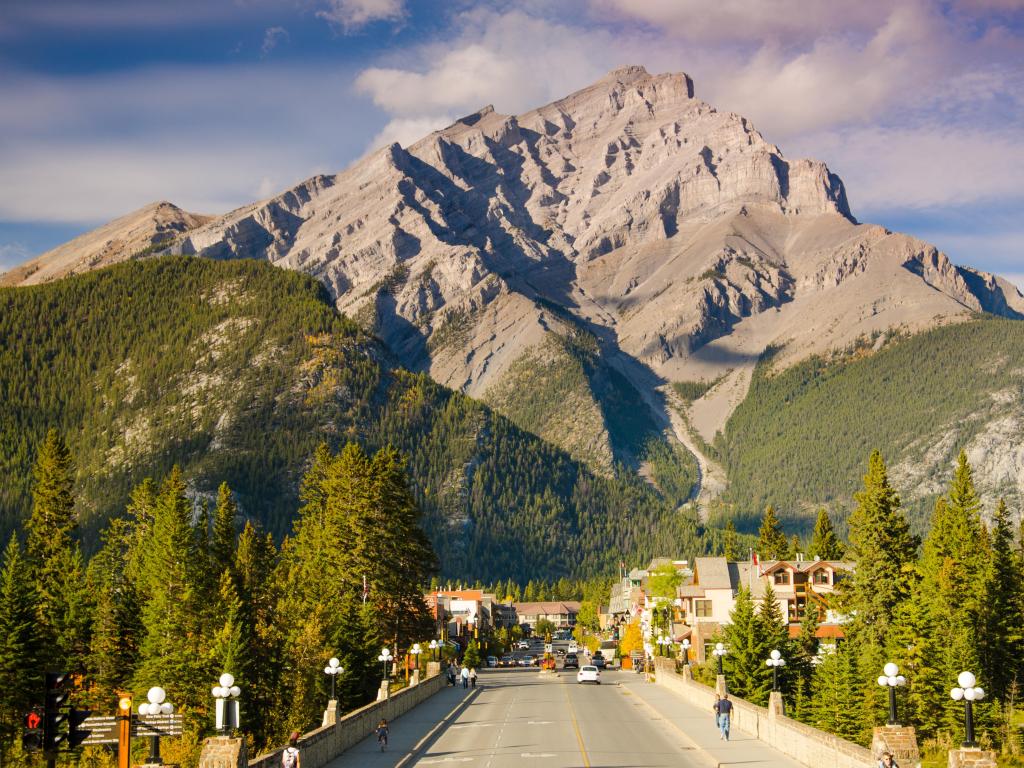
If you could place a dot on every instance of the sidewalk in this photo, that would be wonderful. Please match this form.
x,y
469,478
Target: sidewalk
x,y
699,728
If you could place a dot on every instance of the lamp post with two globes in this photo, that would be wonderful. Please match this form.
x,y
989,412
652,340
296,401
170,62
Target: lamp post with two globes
x,y
333,669
685,648
775,661
969,693
384,658
891,679
415,651
156,705
433,648
719,653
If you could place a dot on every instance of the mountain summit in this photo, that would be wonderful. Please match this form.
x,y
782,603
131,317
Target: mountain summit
x,y
629,231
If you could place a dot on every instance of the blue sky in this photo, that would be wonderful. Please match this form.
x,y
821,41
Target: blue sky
x,y
107,105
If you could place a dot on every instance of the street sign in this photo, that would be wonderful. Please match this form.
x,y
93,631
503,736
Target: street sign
x,y
156,725
102,730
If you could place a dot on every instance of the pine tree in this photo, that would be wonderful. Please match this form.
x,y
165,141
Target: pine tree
x,y
882,546
222,549
729,542
772,543
825,545
748,649
471,658
1002,638
836,707
231,644
21,644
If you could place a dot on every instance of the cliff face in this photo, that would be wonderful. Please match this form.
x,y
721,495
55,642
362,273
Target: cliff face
x,y
673,235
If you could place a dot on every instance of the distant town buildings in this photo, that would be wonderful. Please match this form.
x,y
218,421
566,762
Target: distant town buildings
x,y
463,613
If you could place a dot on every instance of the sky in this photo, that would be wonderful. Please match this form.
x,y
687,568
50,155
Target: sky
x,y
108,105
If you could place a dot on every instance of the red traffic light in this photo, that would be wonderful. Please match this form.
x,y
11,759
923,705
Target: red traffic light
x,y
33,720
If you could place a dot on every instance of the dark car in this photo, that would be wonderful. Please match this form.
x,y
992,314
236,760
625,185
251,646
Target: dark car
x,y
598,660
507,661
572,660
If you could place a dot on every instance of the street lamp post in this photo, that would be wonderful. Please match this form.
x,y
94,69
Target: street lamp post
x,y
775,661
415,651
719,652
157,705
333,668
227,711
686,651
970,693
384,658
663,643
891,679
433,648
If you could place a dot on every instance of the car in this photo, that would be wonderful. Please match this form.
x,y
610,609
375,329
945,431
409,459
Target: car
x,y
528,661
573,647
560,651
492,661
523,645
589,674
507,660
598,660
571,660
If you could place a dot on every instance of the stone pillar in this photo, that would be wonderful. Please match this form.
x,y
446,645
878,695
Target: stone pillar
x,y
433,668
901,740
972,757
720,687
223,752
776,707
415,679
385,690
330,714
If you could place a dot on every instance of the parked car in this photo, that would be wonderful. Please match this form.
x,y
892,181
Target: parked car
x,y
589,674
507,660
528,661
492,661
572,660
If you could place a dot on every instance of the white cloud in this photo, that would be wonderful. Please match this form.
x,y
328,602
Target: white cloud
x,y
350,15
408,130
273,37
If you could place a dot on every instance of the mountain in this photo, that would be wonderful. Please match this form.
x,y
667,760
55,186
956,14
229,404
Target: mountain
x,y
237,370
143,232
608,270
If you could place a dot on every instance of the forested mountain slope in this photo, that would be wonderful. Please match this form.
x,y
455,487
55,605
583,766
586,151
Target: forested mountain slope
x,y
801,436
236,370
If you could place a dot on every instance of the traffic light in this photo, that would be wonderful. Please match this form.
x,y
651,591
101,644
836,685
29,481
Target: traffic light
x,y
32,738
54,713
77,734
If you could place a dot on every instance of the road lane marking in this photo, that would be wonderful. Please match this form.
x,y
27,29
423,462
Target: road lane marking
x,y
446,760
538,754
411,754
539,722
576,728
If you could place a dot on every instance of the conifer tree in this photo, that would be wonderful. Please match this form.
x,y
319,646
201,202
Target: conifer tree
x,y
222,549
772,543
170,653
730,545
836,707
882,546
825,545
21,649
1002,638
748,649
230,648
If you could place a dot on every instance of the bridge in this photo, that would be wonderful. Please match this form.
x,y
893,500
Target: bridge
x,y
521,715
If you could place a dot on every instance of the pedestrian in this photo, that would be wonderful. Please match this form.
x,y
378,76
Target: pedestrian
x,y
465,677
472,677
718,708
291,757
724,712
382,734
887,761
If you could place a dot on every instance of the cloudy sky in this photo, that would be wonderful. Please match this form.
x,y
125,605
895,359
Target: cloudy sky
x,y
106,105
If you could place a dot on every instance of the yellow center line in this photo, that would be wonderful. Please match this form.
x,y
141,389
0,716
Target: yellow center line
x,y
576,728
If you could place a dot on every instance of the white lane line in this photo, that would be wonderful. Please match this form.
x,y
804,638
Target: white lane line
x,y
540,722
473,725
538,754
445,760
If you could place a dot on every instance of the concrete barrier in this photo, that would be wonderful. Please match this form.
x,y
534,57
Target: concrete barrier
x,y
807,745
324,744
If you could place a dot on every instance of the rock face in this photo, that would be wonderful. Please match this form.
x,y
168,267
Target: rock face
x,y
147,229
674,235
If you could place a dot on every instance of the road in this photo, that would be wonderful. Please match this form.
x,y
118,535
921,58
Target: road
x,y
519,717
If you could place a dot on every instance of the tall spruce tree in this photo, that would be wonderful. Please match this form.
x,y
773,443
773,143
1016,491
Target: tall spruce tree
x,y
730,544
825,545
1002,637
882,546
748,648
222,548
772,543
21,644
836,705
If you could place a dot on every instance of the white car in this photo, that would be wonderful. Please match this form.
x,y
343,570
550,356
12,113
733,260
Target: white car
x,y
588,674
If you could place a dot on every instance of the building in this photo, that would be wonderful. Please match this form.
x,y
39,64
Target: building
x,y
461,613
704,603
561,613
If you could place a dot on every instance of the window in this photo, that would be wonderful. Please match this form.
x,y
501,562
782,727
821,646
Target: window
x,y
821,577
702,608
782,577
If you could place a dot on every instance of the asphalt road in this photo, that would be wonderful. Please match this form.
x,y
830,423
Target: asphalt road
x,y
518,717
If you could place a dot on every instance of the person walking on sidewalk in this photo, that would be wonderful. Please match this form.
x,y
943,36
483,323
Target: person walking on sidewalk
x,y
472,677
724,714
718,708
465,676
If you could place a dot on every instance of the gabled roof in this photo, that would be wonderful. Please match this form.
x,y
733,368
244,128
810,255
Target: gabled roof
x,y
711,573
548,607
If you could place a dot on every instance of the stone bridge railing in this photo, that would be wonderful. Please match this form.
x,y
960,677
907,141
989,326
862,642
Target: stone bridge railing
x,y
324,744
797,740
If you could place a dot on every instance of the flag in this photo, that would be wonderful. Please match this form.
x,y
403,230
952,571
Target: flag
x,y
366,590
